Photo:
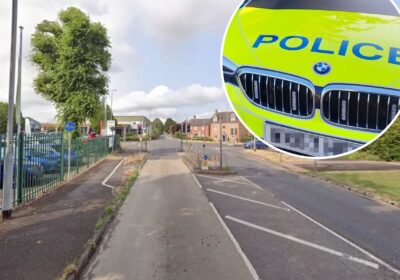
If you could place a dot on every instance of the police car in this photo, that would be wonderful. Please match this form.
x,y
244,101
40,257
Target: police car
x,y
319,78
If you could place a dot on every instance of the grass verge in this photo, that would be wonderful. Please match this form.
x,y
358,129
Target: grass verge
x,y
383,185
112,208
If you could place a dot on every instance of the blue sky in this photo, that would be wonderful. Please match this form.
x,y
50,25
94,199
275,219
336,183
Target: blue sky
x,y
165,54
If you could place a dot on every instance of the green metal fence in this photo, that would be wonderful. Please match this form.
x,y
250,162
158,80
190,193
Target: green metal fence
x,y
41,161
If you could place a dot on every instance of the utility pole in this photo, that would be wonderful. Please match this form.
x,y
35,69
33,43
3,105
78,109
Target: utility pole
x,y
18,116
8,159
220,141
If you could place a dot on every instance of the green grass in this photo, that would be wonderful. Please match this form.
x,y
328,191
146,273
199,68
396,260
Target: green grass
x,y
117,201
362,155
385,184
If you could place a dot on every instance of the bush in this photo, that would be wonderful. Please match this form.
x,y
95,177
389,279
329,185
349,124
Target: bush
x,y
201,138
180,135
245,139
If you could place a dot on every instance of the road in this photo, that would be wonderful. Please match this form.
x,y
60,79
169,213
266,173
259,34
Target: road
x,y
289,226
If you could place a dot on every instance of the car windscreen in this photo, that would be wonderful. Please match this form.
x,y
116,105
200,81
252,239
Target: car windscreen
x,y
382,7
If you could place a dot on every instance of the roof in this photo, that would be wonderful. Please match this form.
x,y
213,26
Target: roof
x,y
200,122
132,119
226,117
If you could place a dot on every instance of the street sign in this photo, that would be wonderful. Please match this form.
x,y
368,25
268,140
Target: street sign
x,y
70,126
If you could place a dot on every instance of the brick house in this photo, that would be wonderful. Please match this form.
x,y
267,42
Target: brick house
x,y
199,127
232,129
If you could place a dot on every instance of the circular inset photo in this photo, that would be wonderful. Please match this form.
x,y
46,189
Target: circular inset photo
x,y
314,78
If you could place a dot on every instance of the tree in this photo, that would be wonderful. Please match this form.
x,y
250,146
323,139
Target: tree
x,y
73,57
168,124
99,117
4,118
158,126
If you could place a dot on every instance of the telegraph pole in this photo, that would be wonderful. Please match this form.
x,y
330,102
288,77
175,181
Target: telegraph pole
x,y
8,159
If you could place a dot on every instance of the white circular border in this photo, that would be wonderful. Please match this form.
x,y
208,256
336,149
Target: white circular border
x,y
269,144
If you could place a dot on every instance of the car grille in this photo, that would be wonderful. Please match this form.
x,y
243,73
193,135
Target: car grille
x,y
278,92
370,108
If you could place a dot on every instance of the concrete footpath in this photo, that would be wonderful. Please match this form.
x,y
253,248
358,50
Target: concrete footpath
x,y
167,230
47,235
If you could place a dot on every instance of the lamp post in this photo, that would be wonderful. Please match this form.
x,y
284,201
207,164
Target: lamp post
x,y
18,182
220,141
8,159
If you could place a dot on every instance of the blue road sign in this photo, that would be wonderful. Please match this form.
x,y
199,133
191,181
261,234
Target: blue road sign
x,y
70,126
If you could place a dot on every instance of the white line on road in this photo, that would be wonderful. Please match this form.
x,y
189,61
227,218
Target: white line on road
x,y
104,183
250,267
197,181
306,243
383,263
223,180
248,200
252,183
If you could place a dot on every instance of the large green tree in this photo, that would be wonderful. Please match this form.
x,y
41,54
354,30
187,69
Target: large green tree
x,y
157,126
72,54
168,124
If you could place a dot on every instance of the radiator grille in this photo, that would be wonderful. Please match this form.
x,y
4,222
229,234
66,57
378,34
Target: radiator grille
x,y
360,109
278,94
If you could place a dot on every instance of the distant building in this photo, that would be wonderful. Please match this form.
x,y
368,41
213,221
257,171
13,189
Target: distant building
x,y
199,127
50,127
32,125
232,129
132,124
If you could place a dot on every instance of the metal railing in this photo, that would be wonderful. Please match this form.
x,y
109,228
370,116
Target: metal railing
x,y
41,161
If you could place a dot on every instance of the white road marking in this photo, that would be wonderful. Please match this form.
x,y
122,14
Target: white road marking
x,y
250,267
306,243
395,6
222,180
197,181
104,183
252,183
248,200
383,263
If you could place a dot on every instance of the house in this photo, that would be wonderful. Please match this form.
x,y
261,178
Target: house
x,y
199,127
132,124
230,126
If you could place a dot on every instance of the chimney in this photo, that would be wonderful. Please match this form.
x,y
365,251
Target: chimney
x,y
194,117
216,111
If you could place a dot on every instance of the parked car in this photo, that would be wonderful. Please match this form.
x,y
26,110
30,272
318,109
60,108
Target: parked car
x,y
250,145
49,160
31,170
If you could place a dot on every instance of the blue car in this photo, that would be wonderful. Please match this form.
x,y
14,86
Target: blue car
x,y
51,162
31,170
250,145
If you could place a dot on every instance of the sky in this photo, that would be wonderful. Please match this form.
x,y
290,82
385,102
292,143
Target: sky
x,y
166,54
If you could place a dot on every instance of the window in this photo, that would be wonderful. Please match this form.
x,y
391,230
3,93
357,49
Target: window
x,y
233,118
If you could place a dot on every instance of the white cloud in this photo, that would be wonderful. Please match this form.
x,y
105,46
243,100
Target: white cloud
x,y
163,101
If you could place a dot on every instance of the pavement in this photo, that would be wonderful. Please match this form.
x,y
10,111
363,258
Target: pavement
x,y
167,230
44,237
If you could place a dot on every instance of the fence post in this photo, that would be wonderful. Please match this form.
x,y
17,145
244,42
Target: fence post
x,y
20,163
62,157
